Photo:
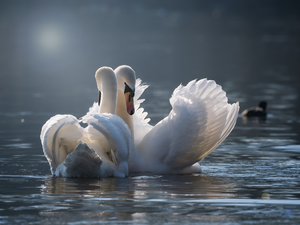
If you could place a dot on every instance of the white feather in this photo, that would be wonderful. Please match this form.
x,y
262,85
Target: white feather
x,y
62,138
101,149
199,121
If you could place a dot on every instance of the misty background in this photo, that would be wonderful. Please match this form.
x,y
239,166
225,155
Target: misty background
x,y
50,50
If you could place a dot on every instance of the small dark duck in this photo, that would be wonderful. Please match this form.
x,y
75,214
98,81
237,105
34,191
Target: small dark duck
x,y
258,111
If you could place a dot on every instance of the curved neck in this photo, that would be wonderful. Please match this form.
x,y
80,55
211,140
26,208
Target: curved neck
x,y
122,112
125,74
108,94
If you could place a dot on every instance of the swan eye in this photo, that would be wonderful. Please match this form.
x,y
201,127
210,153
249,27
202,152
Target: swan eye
x,y
127,88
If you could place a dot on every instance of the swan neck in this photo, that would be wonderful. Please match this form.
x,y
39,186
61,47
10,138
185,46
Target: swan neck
x,y
122,112
108,94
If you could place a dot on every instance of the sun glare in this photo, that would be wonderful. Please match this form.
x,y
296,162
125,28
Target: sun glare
x,y
50,38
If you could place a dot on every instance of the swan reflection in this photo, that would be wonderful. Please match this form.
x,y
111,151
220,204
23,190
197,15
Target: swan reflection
x,y
254,120
91,187
145,187
137,197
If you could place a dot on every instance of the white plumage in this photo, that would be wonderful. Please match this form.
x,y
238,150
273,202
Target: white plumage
x,y
107,139
199,121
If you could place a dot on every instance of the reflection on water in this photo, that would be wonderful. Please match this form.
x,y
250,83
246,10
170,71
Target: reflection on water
x,y
126,199
143,187
147,198
258,120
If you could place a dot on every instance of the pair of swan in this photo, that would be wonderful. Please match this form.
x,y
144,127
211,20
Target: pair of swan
x,y
99,150
119,138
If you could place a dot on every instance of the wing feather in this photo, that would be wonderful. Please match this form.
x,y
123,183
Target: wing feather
x,y
115,131
199,121
140,122
60,136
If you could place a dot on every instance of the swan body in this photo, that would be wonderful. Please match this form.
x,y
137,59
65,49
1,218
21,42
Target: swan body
x,y
198,123
99,150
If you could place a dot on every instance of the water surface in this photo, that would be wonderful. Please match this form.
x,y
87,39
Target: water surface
x,y
252,177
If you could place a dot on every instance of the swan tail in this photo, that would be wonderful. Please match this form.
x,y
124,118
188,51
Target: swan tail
x,y
199,121
59,136
82,162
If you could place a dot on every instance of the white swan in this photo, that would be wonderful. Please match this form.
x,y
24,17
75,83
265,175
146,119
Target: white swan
x,y
107,138
199,121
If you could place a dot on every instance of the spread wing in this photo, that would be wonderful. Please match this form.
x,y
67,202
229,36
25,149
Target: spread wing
x,y
199,121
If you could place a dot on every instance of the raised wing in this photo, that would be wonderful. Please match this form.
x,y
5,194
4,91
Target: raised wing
x,y
107,134
199,121
116,133
59,137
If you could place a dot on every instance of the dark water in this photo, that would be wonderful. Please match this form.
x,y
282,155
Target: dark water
x,y
251,49
253,177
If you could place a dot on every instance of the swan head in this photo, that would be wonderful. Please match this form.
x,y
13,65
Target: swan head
x,y
126,82
107,85
103,73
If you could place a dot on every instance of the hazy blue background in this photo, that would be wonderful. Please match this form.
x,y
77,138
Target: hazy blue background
x,y
56,46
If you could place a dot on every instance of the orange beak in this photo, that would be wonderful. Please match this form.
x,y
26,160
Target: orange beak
x,y
129,103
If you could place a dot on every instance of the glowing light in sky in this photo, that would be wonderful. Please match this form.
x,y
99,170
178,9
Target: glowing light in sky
x,y
50,38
